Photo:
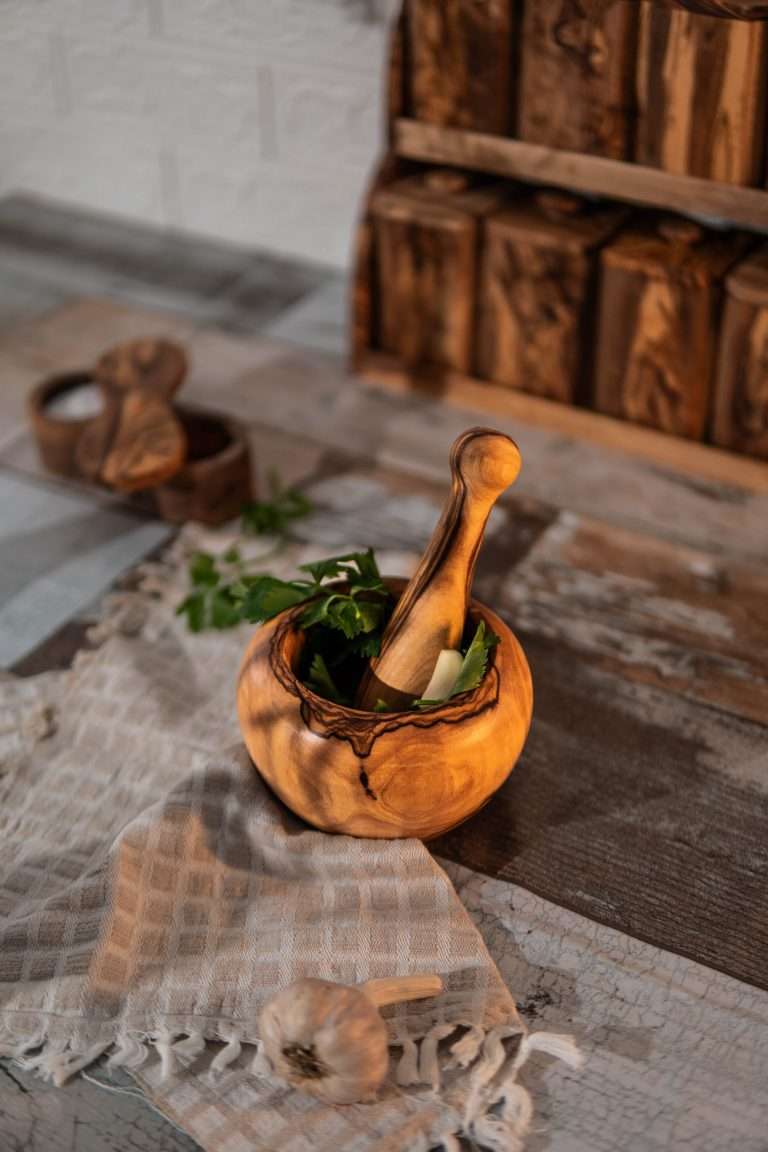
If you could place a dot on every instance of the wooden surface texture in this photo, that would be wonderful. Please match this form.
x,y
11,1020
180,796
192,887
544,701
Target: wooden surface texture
x,y
701,89
426,244
578,172
368,774
537,284
576,75
660,289
741,392
708,464
460,63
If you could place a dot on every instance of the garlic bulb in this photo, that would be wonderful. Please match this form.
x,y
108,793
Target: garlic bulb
x,y
329,1039
443,678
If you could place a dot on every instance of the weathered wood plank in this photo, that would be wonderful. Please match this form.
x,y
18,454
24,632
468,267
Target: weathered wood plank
x,y
580,172
675,1052
654,612
638,809
36,1117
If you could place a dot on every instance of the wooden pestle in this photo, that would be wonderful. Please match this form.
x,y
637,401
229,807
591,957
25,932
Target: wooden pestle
x,y
431,613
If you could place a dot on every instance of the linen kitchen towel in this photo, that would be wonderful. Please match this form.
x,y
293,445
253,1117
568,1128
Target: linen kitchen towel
x,y
154,894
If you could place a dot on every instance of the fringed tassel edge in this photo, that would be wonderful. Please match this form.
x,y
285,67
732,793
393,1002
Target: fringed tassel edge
x,y
496,1115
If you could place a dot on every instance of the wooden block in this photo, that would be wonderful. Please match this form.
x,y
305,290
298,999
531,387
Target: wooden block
x,y
741,389
460,57
537,285
576,75
426,238
731,9
659,296
701,94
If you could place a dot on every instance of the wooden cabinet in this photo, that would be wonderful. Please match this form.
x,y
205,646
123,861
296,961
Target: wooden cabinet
x,y
701,95
741,392
577,75
537,292
426,231
657,332
460,55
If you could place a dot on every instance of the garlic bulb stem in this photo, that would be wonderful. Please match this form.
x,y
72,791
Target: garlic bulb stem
x,y
398,989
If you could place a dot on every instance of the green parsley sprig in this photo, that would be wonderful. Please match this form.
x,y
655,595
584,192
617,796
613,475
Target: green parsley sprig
x,y
346,605
274,517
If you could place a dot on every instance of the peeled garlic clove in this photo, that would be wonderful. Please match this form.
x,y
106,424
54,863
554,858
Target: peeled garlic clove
x,y
329,1039
447,668
326,1039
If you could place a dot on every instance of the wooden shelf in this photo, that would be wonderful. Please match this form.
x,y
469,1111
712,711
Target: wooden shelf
x,y
665,451
619,180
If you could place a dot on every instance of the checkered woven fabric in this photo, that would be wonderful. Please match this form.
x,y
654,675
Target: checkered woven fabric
x,y
153,893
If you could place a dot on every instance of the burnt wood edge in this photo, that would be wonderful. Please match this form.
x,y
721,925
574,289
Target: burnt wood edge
x,y
361,729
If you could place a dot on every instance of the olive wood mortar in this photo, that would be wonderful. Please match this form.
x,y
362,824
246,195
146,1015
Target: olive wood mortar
x,y
375,774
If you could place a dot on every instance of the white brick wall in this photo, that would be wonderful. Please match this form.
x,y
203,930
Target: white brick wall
x,y
255,121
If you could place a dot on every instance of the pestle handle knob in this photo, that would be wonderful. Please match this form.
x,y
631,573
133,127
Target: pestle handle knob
x,y
431,613
486,463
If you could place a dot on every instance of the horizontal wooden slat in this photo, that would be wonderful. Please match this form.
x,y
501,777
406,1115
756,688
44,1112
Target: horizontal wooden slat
x,y
686,456
594,175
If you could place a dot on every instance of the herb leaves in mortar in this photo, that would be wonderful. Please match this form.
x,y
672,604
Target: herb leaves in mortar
x,y
344,619
347,608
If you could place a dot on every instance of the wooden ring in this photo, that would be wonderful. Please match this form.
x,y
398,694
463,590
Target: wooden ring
x,y
57,439
215,482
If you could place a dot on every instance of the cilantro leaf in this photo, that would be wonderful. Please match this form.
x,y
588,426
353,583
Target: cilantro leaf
x,y
321,681
210,606
366,645
475,660
273,517
224,611
359,568
203,571
266,596
193,607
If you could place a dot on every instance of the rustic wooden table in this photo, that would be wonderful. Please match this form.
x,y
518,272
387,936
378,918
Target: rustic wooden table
x,y
634,831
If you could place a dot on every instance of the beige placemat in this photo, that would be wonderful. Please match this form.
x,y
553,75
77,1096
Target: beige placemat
x,y
154,895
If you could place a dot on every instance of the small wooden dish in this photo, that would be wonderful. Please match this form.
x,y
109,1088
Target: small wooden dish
x,y
215,482
57,437
382,775
211,486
